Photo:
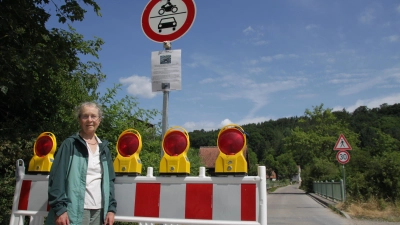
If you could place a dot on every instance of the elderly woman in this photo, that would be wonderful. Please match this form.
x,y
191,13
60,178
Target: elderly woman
x,y
81,182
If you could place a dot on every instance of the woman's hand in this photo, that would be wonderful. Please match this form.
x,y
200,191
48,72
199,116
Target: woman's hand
x,y
62,219
109,219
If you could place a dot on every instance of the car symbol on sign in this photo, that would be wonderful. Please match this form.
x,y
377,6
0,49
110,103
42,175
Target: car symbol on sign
x,y
169,22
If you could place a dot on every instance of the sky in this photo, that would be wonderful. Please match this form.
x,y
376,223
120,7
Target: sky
x,y
256,60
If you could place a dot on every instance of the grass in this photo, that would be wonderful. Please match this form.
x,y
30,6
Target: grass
x,y
373,209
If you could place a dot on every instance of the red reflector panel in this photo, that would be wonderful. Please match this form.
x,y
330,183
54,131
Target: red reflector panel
x,y
199,201
128,144
147,200
231,141
24,195
248,202
43,146
175,143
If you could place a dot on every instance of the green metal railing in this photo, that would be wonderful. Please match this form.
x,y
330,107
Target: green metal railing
x,y
333,190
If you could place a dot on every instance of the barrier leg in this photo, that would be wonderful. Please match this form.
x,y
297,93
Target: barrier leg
x,y
17,220
36,220
263,195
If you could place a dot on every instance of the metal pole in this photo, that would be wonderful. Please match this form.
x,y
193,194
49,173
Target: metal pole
x,y
344,184
342,189
167,46
164,116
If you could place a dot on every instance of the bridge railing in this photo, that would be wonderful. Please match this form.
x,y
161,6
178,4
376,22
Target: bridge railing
x,y
333,189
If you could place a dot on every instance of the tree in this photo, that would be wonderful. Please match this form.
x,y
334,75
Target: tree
x,y
285,166
253,164
315,141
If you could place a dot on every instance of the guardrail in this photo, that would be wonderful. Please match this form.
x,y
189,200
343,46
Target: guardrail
x,y
333,190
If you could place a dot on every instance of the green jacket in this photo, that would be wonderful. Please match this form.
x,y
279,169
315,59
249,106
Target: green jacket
x,y
67,180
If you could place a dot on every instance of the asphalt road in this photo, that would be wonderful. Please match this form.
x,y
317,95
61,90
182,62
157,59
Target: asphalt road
x,y
291,205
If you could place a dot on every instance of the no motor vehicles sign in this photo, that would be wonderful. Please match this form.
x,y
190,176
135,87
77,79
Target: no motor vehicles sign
x,y
168,20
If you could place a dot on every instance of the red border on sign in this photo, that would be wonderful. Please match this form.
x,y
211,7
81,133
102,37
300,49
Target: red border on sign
x,y
191,14
337,144
348,158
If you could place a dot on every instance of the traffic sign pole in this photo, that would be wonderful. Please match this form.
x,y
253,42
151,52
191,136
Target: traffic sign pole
x,y
344,184
164,116
167,46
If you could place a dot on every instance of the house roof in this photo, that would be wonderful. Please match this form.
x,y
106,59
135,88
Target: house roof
x,y
273,175
208,155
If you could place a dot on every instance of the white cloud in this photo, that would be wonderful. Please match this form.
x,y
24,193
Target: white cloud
x,y
311,26
261,42
248,30
278,56
207,126
352,83
266,58
253,120
367,16
331,60
305,96
256,70
392,38
138,86
207,80
255,36
371,103
225,122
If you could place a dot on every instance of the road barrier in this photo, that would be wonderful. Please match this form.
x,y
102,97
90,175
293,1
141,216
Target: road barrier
x,y
150,200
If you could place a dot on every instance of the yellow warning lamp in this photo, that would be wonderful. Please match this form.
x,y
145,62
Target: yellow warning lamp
x,y
175,145
231,144
43,150
128,146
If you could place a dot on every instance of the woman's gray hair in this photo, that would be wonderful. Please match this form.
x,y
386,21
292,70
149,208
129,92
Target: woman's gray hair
x,y
78,110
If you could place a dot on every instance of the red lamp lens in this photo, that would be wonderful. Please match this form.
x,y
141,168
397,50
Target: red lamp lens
x,y
175,143
128,144
231,141
43,146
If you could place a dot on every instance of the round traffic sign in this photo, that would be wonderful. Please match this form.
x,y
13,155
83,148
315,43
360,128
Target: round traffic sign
x,y
343,157
167,20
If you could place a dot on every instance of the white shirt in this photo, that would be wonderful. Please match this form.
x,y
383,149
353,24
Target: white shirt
x,y
93,197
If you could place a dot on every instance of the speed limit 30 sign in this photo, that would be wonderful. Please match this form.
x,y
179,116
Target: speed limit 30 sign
x,y
343,157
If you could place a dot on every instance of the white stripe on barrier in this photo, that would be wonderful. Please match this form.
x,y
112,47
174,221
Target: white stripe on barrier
x,y
172,193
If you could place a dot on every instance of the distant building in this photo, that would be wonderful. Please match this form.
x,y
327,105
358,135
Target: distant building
x,y
272,176
208,156
297,177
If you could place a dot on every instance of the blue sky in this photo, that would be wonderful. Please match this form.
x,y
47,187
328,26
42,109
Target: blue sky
x,y
255,60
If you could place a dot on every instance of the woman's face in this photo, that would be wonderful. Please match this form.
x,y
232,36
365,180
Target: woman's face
x,y
89,119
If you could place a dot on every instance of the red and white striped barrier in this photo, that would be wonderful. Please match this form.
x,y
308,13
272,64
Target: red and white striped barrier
x,y
167,200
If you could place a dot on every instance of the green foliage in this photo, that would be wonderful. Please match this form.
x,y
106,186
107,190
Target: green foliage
x,y
253,167
308,141
285,166
195,161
